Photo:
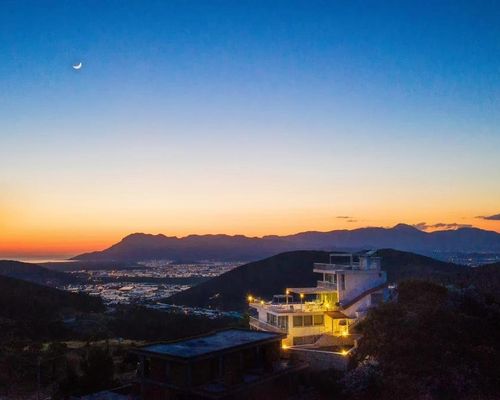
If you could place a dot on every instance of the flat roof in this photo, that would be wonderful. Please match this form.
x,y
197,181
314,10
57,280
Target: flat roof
x,y
206,344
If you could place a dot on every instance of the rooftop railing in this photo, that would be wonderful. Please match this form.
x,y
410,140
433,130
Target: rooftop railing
x,y
333,267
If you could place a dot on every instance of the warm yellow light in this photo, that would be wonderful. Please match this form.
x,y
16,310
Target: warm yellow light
x,y
250,299
345,334
344,352
284,346
302,295
287,291
262,302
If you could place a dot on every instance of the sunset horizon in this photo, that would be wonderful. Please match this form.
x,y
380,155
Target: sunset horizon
x,y
51,247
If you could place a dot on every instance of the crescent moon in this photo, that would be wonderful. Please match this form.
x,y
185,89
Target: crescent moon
x,y
77,66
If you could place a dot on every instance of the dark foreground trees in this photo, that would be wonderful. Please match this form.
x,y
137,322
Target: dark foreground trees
x,y
433,343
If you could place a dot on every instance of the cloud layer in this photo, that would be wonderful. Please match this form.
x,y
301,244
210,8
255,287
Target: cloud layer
x,y
495,217
424,226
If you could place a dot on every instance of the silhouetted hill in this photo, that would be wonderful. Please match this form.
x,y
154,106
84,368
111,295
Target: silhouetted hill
x,y
34,273
401,265
140,246
486,278
295,269
29,310
261,278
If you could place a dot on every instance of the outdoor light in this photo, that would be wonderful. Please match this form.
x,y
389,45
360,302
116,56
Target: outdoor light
x,y
250,299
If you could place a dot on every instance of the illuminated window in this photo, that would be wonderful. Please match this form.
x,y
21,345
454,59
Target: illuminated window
x,y
308,320
298,321
271,319
319,320
283,322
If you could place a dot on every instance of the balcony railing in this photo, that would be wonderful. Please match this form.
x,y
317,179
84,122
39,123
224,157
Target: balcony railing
x,y
323,267
293,307
327,285
264,326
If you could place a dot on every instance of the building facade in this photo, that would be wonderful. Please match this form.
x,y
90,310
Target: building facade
x,y
323,316
228,364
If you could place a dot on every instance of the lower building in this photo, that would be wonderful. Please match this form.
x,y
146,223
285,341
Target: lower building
x,y
227,364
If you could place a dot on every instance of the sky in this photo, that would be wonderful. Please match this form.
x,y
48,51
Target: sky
x,y
244,117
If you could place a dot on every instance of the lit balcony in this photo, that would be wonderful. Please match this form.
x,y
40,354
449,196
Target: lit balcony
x,y
264,326
291,308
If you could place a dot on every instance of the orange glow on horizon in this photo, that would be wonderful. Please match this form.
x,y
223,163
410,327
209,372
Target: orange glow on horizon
x,y
73,242
70,232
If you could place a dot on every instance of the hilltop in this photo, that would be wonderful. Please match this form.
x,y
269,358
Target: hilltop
x,y
141,246
29,310
294,269
34,273
261,278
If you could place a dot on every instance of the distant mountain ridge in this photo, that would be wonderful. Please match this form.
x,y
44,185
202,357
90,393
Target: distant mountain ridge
x,y
141,246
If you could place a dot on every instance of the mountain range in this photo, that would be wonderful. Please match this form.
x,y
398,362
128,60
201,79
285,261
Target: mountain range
x,y
141,246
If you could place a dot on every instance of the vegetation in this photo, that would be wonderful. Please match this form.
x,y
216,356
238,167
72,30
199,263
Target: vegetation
x,y
138,323
35,321
432,343
31,311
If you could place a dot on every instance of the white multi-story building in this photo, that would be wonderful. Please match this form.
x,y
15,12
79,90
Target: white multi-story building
x,y
350,285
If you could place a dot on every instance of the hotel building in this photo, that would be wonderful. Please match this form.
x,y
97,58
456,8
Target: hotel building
x,y
323,317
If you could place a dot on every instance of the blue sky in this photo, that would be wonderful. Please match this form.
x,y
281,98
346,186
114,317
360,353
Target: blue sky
x,y
260,113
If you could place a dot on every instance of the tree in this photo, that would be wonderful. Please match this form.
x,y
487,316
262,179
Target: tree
x,y
433,343
98,370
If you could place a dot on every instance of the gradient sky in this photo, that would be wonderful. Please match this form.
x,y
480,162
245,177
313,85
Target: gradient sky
x,y
244,117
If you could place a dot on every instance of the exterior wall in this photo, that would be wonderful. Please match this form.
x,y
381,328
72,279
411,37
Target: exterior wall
x,y
320,360
303,331
262,314
336,326
359,307
357,282
204,371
